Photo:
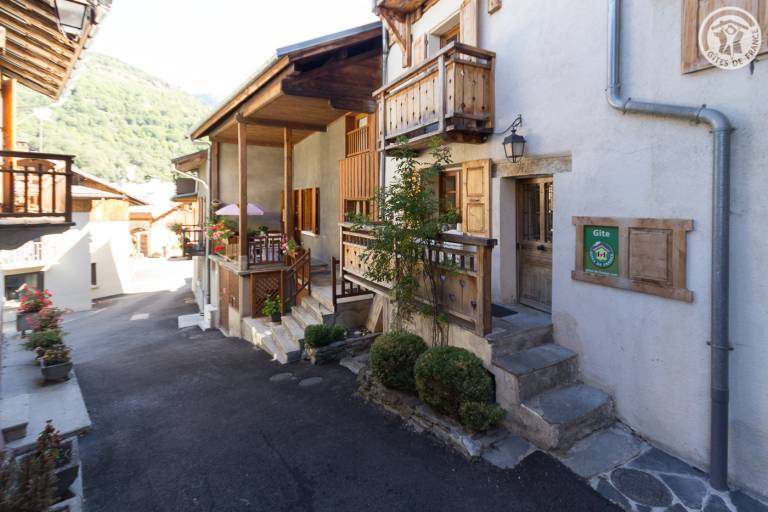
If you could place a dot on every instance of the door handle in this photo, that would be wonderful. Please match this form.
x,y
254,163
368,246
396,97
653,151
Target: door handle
x,y
541,247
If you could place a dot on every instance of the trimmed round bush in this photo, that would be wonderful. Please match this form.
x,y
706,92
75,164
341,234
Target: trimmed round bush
x,y
480,416
447,377
392,358
316,336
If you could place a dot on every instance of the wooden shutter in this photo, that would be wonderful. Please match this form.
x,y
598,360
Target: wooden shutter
x,y
476,198
696,11
468,23
420,49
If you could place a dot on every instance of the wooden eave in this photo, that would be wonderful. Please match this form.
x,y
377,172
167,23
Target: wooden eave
x,y
191,161
305,88
38,54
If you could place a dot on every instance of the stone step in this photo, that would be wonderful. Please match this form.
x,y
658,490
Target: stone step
x,y
287,350
323,295
297,333
558,418
318,266
510,340
316,309
303,318
525,374
14,417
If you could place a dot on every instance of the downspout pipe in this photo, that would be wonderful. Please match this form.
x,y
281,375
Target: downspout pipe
x,y
721,170
384,61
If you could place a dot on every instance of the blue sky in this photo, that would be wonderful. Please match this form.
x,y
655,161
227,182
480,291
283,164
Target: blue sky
x,y
210,47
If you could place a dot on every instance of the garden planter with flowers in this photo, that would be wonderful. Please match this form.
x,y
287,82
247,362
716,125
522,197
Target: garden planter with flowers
x,y
56,363
61,456
31,302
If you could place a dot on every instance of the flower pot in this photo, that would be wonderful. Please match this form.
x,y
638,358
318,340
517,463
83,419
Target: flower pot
x,y
67,469
56,372
21,321
275,317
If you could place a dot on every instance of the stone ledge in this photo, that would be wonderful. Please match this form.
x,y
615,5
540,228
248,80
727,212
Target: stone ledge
x,y
339,350
420,418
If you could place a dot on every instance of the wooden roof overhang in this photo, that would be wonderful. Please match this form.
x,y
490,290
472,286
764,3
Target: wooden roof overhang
x,y
190,162
304,87
37,53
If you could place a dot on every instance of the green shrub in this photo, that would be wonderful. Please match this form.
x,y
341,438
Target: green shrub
x,y
392,358
446,377
316,336
44,339
480,416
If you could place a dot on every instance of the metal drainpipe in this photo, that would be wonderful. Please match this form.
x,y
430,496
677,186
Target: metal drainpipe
x,y
720,346
384,60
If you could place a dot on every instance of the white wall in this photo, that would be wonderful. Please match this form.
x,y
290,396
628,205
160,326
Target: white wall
x,y
650,353
316,164
265,181
110,251
68,278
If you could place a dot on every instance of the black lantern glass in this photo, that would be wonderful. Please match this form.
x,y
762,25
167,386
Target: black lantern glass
x,y
514,144
71,15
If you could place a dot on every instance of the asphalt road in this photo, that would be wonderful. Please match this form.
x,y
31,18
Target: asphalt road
x,y
190,421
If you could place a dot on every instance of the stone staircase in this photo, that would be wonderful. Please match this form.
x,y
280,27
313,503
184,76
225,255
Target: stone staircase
x,y
286,339
537,382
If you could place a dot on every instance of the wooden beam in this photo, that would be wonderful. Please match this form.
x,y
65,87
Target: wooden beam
x,y
256,121
288,180
8,94
27,82
242,169
215,148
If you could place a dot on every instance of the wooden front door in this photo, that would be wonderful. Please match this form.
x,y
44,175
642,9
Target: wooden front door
x,y
229,290
535,206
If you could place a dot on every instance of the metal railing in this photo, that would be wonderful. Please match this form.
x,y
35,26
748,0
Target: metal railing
x,y
35,184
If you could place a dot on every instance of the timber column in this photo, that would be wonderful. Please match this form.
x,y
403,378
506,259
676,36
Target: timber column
x,y
8,93
242,169
288,180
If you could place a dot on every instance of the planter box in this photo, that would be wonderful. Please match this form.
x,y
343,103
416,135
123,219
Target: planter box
x,y
21,322
55,372
66,474
338,350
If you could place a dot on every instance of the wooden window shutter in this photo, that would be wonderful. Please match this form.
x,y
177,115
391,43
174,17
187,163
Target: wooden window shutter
x,y
696,11
469,23
315,195
420,49
476,198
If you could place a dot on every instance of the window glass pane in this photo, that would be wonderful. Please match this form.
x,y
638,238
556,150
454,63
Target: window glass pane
x,y
14,283
549,209
531,208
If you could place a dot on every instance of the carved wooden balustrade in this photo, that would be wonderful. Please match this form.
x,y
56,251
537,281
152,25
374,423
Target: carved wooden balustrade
x,y
35,185
449,95
465,275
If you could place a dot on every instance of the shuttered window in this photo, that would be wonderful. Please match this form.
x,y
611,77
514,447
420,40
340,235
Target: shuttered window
x,y
695,13
306,209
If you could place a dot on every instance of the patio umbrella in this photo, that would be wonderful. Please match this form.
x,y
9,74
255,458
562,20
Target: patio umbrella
x,y
234,209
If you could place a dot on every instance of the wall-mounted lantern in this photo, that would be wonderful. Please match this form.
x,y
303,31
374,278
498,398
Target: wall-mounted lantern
x,y
71,15
514,144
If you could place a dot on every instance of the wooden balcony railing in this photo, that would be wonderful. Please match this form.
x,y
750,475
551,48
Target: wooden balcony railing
x,y
357,141
35,185
266,249
449,95
466,279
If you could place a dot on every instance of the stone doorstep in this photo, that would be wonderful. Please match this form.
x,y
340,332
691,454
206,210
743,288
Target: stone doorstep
x,y
523,375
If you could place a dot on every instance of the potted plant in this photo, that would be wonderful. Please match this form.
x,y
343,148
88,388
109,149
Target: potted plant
x,y
272,307
291,247
31,301
175,227
40,341
264,230
56,363
63,455
47,319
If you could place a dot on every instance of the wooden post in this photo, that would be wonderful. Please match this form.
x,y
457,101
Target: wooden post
x,y
8,93
68,191
288,180
242,151
483,318
214,187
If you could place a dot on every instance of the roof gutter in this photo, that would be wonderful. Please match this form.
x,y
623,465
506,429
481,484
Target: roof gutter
x,y
719,344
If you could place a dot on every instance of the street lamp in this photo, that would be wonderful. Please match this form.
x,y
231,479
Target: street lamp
x,y
71,15
514,144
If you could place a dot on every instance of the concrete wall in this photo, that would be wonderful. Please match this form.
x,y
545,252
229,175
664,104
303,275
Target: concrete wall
x,y
316,164
69,277
650,353
265,181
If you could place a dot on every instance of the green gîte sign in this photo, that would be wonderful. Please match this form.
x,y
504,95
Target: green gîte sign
x,y
601,250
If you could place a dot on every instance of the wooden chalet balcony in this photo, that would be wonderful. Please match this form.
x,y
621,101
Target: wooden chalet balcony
x,y
466,294
36,185
449,95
